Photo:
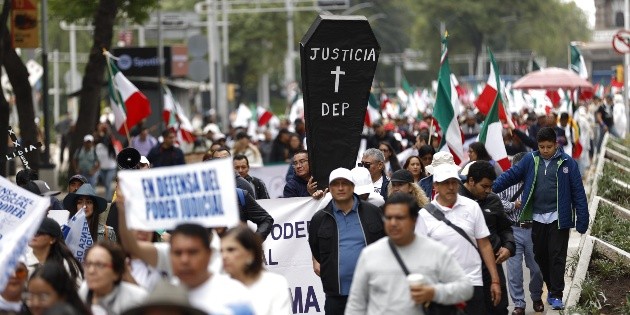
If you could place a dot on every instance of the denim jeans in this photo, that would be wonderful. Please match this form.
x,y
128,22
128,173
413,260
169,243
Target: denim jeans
x,y
524,249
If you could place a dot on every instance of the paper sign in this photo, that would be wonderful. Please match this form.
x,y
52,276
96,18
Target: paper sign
x,y
161,198
21,213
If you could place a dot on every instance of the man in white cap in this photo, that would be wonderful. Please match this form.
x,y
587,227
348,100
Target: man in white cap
x,y
466,235
439,158
338,233
85,161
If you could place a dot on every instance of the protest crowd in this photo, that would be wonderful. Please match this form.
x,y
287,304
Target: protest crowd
x,y
415,236
434,214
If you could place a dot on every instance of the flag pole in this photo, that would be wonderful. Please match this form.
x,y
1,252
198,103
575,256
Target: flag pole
x,y
116,95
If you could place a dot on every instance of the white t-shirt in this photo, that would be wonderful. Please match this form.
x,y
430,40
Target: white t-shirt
x,y
270,295
146,276
377,185
106,161
467,215
220,295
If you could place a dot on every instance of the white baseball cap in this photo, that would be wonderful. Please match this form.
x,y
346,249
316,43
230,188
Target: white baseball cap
x,y
362,180
144,160
444,172
340,173
88,138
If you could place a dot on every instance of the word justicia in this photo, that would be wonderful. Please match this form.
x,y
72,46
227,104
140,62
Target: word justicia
x,y
352,54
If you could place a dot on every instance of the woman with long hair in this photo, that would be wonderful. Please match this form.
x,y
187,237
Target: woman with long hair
x,y
391,160
416,168
295,144
103,290
242,255
48,246
50,285
402,181
93,205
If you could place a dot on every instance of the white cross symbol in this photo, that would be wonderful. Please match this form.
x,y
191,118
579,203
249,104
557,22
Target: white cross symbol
x,y
16,144
11,132
337,72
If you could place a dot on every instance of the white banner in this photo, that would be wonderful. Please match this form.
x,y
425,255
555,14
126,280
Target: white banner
x,y
163,197
287,252
273,176
21,213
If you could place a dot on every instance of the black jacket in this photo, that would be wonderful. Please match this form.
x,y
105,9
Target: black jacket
x,y
259,187
323,238
252,211
501,234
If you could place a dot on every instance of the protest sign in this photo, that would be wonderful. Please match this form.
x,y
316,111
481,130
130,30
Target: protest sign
x,y
77,235
339,56
21,213
287,251
161,198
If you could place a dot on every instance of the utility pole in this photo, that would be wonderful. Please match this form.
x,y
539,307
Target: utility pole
x,y
46,159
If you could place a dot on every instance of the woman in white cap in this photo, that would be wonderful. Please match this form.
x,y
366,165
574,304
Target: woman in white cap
x,y
93,205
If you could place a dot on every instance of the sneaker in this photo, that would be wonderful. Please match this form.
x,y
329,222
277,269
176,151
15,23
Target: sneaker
x,y
556,304
539,306
518,311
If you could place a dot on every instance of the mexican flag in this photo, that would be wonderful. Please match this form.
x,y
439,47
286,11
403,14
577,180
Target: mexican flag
x,y
175,118
373,113
491,134
128,104
577,62
263,116
489,94
445,110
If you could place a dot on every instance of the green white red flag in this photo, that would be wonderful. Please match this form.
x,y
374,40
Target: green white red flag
x,y
491,134
128,104
175,118
446,110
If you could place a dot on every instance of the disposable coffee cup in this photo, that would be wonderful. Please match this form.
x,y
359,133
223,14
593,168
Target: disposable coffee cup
x,y
416,279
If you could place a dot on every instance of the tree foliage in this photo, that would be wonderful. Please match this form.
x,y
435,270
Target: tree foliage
x,y
544,26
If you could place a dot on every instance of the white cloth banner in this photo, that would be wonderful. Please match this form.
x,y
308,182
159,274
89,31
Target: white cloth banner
x,y
273,176
287,252
77,235
163,197
21,213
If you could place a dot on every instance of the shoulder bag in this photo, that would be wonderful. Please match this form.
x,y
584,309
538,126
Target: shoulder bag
x,y
432,308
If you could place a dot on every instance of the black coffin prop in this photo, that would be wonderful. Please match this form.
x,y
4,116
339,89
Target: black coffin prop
x,y
339,56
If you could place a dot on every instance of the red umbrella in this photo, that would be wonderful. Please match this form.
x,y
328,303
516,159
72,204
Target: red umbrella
x,y
552,79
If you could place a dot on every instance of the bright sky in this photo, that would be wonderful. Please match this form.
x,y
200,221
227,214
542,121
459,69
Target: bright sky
x,y
588,6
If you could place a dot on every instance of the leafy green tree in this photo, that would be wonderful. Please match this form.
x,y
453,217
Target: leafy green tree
x,y
544,26
102,14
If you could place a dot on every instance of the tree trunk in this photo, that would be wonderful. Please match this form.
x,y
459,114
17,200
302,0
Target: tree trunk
x,y
4,105
18,76
90,95
477,41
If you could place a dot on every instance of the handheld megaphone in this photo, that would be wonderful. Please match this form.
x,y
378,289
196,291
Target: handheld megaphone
x,y
128,159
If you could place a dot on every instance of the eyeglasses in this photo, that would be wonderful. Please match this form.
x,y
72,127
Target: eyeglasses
x,y
300,162
21,273
364,164
96,264
39,297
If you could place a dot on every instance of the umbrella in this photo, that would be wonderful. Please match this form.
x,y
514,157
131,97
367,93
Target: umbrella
x,y
552,79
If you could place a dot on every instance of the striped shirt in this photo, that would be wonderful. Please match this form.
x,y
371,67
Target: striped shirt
x,y
510,210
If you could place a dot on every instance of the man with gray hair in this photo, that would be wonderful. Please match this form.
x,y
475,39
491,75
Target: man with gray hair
x,y
374,160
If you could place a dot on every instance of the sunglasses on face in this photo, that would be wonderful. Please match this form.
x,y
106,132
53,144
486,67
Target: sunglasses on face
x,y
364,164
